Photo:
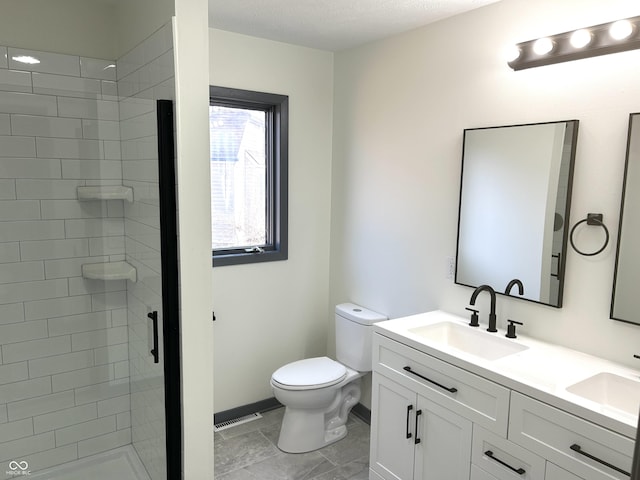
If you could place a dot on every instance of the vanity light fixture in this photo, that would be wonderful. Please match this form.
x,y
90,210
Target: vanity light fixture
x,y
612,37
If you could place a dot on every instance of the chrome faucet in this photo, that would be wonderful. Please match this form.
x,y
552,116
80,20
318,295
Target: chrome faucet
x,y
512,284
492,314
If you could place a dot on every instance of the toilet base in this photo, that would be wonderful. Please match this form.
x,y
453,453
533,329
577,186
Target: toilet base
x,y
305,430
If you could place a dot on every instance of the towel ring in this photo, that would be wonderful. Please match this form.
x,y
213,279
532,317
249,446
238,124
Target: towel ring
x,y
592,219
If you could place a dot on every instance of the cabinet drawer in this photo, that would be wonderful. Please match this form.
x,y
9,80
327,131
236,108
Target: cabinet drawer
x,y
480,400
504,459
554,472
479,474
556,435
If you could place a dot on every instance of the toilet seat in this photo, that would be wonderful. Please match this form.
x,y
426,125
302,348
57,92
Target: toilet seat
x,y
309,374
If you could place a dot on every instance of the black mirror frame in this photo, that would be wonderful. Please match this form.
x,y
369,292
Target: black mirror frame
x,y
622,199
573,125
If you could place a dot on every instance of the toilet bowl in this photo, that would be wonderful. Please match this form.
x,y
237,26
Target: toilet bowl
x,y
318,393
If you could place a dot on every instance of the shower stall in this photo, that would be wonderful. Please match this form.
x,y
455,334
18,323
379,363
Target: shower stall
x,y
88,264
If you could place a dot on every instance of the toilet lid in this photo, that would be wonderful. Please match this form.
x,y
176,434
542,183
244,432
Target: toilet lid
x,y
310,373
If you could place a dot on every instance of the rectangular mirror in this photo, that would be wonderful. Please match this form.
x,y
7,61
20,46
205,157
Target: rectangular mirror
x,y
515,196
627,272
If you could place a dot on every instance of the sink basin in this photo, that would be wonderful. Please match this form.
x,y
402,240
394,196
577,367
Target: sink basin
x,y
468,340
611,391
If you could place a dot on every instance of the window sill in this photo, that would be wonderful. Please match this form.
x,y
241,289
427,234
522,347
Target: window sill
x,y
247,258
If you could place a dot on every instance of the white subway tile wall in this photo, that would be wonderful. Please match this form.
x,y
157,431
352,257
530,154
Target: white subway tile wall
x,y
5,123
142,74
63,85
15,81
30,104
76,377
21,59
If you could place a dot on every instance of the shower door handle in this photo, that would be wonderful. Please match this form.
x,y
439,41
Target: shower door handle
x,y
154,351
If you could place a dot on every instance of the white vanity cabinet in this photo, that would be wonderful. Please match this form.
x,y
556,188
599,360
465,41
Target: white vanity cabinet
x,y
478,474
503,459
554,472
432,420
579,446
422,414
471,396
413,437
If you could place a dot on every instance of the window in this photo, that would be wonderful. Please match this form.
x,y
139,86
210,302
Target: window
x,y
248,152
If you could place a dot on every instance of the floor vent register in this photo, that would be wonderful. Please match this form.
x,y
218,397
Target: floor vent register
x,y
218,427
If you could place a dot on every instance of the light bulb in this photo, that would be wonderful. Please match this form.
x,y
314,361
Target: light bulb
x,y
512,53
580,38
621,29
542,46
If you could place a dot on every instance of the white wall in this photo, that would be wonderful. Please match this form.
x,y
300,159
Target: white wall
x,y
75,27
270,314
94,28
194,230
399,111
137,19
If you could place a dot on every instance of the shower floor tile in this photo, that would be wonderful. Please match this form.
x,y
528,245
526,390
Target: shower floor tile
x,y
121,464
249,452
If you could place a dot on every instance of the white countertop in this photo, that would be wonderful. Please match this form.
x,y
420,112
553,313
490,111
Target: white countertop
x,y
543,371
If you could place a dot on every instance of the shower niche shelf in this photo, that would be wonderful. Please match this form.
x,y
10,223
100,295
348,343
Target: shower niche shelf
x,y
110,271
105,192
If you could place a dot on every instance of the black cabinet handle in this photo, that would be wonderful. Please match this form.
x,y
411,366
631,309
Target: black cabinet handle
x,y
519,471
409,408
577,448
448,389
154,351
417,439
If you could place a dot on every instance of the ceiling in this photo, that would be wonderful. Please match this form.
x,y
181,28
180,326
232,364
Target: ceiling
x,y
331,24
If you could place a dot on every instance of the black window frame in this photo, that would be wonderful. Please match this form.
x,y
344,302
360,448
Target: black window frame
x,y
276,108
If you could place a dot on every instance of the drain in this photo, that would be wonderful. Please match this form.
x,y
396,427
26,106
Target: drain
x,y
218,427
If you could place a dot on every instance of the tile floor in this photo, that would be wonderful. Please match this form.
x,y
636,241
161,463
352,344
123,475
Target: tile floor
x,y
249,452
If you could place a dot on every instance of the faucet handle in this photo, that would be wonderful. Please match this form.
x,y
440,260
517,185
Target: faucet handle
x,y
474,317
511,328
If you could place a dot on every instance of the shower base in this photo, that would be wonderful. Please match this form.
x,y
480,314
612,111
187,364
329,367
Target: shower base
x,y
121,463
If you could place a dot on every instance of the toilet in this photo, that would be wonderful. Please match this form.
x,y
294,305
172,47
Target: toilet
x,y
318,393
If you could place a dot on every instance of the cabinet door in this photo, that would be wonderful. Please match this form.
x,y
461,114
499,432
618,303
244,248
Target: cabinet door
x,y
392,429
443,450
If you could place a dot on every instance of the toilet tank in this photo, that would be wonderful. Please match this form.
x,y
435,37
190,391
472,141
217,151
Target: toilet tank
x,y
354,333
